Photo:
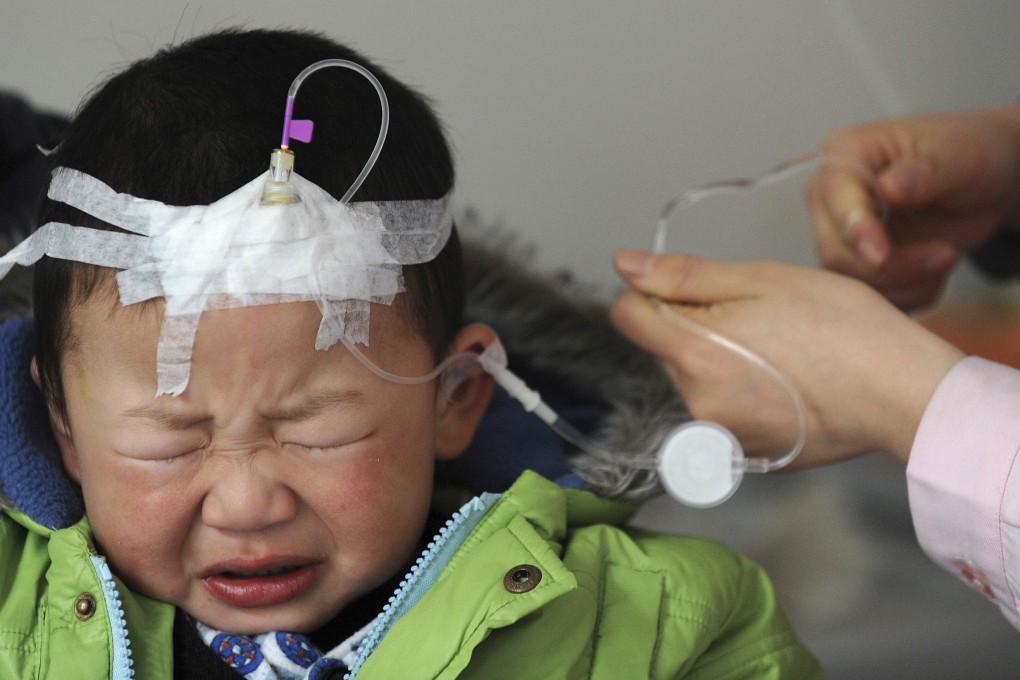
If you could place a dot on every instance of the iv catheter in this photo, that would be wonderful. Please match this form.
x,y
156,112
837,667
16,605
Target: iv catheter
x,y
278,188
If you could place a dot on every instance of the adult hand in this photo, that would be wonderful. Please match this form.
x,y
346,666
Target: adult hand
x,y
949,183
865,370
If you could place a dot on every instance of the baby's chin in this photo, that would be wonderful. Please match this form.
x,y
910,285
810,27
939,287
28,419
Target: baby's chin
x,y
255,622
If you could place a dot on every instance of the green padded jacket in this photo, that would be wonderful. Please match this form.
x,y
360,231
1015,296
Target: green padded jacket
x,y
538,582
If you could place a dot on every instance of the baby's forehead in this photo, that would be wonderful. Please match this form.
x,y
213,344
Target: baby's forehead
x,y
93,318
93,290
240,251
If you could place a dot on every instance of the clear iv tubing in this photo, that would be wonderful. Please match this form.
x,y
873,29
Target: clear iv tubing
x,y
383,102
530,400
749,464
699,193
516,387
777,174
496,367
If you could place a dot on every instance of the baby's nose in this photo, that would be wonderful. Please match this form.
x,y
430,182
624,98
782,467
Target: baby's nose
x,y
248,494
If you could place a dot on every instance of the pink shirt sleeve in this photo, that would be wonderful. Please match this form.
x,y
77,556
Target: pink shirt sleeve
x,y
964,481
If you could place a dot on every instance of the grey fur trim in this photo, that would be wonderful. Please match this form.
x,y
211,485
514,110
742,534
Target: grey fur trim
x,y
551,327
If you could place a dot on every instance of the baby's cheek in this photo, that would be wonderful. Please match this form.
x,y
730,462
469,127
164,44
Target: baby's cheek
x,y
345,497
143,538
376,508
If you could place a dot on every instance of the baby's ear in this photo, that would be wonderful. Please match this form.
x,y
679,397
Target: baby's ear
x,y
61,431
464,394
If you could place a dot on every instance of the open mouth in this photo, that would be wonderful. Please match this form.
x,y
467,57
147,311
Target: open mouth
x,y
263,572
262,587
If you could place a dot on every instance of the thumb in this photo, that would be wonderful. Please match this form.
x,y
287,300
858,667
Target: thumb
x,y
676,277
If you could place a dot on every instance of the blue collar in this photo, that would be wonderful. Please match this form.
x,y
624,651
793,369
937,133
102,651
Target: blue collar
x,y
31,474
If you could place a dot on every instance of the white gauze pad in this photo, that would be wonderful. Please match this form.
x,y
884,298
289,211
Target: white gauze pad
x,y
236,252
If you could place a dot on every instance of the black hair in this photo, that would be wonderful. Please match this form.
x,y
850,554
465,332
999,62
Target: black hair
x,y
196,121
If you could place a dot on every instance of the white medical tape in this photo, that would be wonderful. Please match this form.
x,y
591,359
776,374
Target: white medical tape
x,y
67,242
236,252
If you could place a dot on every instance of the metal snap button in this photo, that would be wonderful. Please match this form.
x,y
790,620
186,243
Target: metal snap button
x,y
522,578
85,606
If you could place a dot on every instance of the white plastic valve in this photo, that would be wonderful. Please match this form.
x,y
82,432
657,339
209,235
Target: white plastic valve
x,y
701,464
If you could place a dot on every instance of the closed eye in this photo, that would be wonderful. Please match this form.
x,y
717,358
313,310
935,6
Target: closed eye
x,y
329,445
161,454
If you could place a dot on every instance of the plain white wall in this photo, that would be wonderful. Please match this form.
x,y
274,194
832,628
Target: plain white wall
x,y
575,121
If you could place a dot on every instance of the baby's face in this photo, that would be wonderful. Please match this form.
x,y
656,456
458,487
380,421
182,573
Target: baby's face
x,y
281,485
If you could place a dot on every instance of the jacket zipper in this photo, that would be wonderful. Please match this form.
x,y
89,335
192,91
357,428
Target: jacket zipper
x,y
122,663
460,524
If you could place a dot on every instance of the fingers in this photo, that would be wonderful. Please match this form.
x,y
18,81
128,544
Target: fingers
x,y
633,314
914,276
853,232
684,278
848,228
700,285
911,276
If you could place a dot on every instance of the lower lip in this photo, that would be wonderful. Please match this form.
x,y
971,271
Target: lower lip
x,y
262,591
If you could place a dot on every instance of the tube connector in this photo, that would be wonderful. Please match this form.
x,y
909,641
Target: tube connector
x,y
278,189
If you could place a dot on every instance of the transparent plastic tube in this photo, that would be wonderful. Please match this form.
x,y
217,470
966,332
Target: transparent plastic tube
x,y
750,464
405,379
493,362
701,192
532,401
493,359
777,174
303,131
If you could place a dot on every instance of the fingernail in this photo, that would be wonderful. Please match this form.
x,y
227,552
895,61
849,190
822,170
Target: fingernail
x,y
634,262
870,251
852,218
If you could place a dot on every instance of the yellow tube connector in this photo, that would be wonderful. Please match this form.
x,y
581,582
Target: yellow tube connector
x,y
278,189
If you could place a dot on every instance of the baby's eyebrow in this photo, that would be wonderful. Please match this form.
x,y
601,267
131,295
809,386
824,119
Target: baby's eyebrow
x,y
314,405
168,418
